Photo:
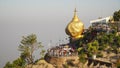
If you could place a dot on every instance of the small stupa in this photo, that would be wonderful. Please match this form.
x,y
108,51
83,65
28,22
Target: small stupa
x,y
75,28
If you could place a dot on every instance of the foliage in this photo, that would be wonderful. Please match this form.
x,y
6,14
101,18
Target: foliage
x,y
99,55
80,49
116,45
116,15
18,63
103,40
70,62
82,57
9,65
94,41
42,53
66,65
27,47
93,47
118,63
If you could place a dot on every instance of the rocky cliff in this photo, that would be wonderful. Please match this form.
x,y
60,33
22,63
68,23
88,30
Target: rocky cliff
x,y
55,62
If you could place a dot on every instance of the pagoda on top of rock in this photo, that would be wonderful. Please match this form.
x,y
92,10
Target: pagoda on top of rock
x,y
75,28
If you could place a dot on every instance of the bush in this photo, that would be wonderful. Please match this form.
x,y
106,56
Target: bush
x,y
99,55
9,65
18,63
66,66
118,63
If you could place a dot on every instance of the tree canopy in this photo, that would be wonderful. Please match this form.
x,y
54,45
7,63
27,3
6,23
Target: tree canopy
x,y
27,47
116,15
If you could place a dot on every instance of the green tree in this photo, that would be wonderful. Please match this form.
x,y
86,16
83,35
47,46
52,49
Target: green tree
x,y
18,63
27,47
82,55
82,58
116,15
93,47
42,53
116,45
103,41
9,65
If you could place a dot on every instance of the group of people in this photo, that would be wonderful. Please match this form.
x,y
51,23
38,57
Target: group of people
x,y
61,51
102,27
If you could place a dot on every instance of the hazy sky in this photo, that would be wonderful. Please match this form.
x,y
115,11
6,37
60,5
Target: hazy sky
x,y
45,18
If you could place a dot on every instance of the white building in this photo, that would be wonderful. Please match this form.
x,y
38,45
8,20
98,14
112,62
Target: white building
x,y
102,24
101,21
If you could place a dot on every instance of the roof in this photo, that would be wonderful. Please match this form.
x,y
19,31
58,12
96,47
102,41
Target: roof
x,y
106,19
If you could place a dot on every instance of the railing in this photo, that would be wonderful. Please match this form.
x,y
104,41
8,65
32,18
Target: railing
x,y
62,54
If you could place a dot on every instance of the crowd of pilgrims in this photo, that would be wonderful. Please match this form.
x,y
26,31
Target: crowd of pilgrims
x,y
62,51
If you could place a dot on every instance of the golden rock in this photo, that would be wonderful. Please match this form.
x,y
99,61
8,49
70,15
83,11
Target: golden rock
x,y
75,28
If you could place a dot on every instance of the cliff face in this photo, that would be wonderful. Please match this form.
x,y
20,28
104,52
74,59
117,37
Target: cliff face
x,y
61,61
68,62
55,62
40,64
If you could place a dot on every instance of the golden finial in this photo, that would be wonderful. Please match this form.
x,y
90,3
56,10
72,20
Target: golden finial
x,y
75,28
75,10
75,18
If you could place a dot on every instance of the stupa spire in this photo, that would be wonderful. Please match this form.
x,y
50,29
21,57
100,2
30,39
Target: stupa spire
x,y
75,12
75,18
